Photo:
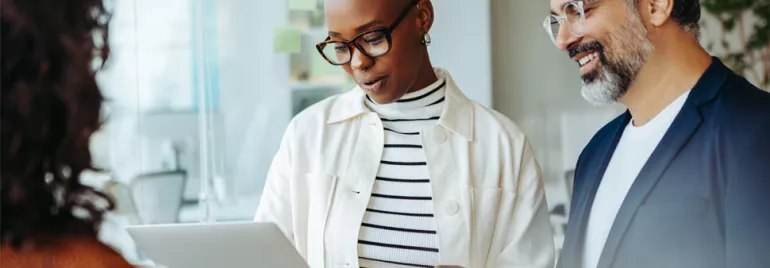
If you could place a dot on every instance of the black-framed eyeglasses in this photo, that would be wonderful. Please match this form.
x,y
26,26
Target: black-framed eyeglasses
x,y
373,43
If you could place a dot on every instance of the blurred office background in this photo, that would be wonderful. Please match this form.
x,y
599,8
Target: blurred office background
x,y
200,92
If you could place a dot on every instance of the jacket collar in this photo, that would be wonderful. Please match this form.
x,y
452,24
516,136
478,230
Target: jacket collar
x,y
709,85
457,115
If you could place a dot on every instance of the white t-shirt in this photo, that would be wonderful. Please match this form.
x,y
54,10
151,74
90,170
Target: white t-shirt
x,y
634,148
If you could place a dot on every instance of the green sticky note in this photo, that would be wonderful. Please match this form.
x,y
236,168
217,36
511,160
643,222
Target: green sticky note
x,y
320,67
287,39
303,5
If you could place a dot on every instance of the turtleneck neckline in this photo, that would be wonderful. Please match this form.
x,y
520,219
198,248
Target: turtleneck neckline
x,y
426,101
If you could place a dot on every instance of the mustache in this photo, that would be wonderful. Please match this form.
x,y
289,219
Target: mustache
x,y
585,47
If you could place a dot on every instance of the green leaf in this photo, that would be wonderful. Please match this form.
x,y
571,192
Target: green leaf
x,y
756,44
709,5
729,23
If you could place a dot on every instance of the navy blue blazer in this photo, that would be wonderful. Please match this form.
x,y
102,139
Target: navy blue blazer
x,y
702,199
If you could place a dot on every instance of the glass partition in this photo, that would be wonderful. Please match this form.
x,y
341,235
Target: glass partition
x,y
199,93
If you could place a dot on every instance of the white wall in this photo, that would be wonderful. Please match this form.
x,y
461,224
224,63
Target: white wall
x,y
462,45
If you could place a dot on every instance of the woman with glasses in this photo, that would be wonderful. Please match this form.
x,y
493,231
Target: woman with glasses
x,y
404,170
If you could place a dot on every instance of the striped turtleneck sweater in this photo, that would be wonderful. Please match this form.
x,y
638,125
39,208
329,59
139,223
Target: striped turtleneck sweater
x,y
398,229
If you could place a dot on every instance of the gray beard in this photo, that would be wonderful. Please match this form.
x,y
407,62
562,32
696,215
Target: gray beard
x,y
617,73
605,89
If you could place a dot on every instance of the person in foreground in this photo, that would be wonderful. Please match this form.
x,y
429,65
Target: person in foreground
x,y
682,178
404,169
50,107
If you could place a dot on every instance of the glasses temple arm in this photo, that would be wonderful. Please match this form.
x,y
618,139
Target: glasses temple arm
x,y
402,16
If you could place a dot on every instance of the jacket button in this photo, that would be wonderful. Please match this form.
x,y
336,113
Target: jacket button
x,y
451,208
439,135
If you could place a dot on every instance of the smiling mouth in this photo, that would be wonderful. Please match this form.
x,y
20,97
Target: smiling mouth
x,y
589,62
586,53
588,58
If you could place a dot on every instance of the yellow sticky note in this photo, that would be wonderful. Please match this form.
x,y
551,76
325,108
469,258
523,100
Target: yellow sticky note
x,y
287,39
303,5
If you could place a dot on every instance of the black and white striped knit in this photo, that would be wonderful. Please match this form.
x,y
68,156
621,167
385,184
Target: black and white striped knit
x,y
399,229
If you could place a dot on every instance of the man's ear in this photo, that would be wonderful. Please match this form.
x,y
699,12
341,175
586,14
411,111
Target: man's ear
x,y
659,11
425,15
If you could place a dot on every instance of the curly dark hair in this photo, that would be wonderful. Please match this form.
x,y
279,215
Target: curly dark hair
x,y
51,105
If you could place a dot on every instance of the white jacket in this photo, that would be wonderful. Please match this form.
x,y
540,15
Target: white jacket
x,y
488,197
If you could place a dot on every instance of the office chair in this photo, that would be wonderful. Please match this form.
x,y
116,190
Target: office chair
x,y
158,196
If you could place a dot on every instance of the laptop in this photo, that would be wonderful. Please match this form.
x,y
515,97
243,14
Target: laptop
x,y
230,245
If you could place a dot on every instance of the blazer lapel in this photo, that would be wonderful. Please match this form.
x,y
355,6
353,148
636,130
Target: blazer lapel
x,y
678,134
594,171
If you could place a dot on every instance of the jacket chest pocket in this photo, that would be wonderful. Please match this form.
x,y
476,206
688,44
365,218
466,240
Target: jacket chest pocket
x,y
319,192
485,204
